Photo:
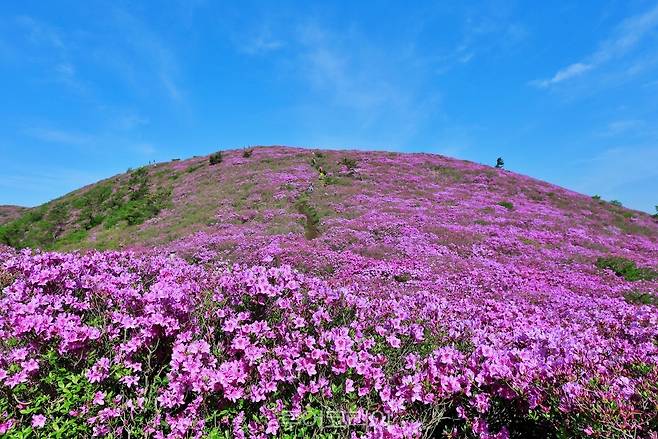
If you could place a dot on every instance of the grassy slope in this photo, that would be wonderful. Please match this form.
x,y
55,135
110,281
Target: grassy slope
x,y
160,203
10,213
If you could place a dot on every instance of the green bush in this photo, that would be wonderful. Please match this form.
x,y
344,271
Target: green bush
x,y
247,153
138,210
626,268
616,203
506,204
349,163
216,158
596,197
640,298
403,277
329,179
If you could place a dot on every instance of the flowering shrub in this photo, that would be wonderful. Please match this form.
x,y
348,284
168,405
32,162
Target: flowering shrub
x,y
115,344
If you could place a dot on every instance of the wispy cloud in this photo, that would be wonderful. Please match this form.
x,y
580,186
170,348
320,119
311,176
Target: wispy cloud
x,y
152,52
39,184
52,49
259,42
627,36
128,120
382,92
623,126
59,136
87,143
41,34
145,148
362,78
482,36
616,167
571,71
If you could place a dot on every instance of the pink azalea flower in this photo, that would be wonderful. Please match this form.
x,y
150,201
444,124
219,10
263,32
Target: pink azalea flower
x,y
38,421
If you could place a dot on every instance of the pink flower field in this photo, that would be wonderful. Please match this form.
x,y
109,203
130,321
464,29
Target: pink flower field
x,y
338,294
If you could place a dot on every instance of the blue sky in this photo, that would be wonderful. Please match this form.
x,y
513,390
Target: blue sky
x,y
564,91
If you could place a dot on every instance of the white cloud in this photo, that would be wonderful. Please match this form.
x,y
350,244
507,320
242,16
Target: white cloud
x,y
626,37
568,72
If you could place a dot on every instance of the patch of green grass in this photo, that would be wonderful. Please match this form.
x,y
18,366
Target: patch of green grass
x,y
630,228
529,241
448,173
626,268
640,298
506,204
73,237
312,222
329,179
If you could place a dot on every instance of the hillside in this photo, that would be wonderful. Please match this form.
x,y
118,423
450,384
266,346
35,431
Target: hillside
x,y
420,294
10,213
160,203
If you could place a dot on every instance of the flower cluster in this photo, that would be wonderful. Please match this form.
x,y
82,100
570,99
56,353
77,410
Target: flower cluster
x,y
176,350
